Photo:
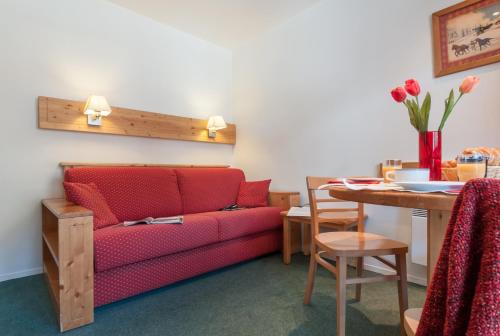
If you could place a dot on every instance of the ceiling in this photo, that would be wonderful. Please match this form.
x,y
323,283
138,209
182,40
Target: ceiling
x,y
227,23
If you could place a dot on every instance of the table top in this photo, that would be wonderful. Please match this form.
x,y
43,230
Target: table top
x,y
404,199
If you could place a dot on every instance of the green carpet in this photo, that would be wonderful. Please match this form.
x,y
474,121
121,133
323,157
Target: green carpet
x,y
260,297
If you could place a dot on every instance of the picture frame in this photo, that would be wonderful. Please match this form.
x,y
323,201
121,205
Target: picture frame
x,y
466,36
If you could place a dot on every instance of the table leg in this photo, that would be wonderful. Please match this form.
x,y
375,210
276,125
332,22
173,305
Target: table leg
x,y
292,238
437,222
287,244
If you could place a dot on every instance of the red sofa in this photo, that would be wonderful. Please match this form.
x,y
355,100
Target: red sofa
x,y
131,260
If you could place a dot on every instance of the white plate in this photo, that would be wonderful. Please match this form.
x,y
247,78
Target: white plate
x,y
430,185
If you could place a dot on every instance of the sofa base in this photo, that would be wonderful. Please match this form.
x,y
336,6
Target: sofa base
x,y
122,282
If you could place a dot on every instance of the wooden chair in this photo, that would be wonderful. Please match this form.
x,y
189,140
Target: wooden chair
x,y
339,246
341,220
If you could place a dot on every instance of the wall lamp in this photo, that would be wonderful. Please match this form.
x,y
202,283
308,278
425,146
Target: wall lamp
x,y
96,108
214,124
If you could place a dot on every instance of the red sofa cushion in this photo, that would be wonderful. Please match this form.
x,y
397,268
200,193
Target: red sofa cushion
x,y
88,196
121,282
239,223
119,245
133,192
208,189
253,194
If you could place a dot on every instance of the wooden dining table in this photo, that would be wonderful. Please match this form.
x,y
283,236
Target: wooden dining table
x,y
439,206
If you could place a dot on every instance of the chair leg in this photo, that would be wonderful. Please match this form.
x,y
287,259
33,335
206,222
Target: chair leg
x,y
341,267
402,288
287,242
313,265
359,273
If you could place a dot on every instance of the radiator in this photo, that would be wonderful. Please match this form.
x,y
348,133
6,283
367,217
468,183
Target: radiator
x,y
419,236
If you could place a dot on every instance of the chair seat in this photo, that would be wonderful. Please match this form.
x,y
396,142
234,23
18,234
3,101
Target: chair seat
x,y
348,243
412,318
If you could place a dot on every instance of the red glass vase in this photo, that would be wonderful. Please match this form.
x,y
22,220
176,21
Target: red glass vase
x,y
429,149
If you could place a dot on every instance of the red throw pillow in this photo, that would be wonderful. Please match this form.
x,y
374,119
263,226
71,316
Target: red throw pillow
x,y
253,194
88,196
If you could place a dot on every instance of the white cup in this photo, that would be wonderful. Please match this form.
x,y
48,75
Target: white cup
x,y
409,175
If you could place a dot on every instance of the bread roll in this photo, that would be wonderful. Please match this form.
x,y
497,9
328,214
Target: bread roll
x,y
449,164
492,153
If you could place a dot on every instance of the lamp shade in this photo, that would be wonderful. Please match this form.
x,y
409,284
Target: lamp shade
x,y
216,123
97,105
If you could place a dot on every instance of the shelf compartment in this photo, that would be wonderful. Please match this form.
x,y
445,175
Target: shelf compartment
x,y
51,241
51,271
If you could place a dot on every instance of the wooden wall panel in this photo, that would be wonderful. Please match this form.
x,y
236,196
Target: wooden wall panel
x,y
67,115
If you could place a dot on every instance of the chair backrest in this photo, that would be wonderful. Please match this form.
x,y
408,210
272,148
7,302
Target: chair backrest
x,y
313,183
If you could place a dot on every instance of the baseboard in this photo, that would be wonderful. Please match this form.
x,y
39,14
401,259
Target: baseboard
x,y
20,274
385,270
368,267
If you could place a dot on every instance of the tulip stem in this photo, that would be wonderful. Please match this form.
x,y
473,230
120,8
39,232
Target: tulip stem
x,y
448,111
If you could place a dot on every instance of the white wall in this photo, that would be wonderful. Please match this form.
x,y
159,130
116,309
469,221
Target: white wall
x,y
312,98
71,49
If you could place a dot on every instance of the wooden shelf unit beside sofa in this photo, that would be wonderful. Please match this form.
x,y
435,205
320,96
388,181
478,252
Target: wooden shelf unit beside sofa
x,y
67,233
68,256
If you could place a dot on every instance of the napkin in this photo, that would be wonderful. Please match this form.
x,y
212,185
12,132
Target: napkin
x,y
376,187
366,184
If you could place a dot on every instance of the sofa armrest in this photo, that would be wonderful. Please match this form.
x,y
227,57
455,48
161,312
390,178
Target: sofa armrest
x,y
62,208
284,199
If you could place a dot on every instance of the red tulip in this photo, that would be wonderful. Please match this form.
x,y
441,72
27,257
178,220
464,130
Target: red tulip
x,y
412,87
398,94
468,84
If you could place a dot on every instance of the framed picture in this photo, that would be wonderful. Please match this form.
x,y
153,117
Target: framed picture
x,y
466,35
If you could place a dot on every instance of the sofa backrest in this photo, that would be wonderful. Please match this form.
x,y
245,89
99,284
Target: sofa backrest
x,y
208,189
133,192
